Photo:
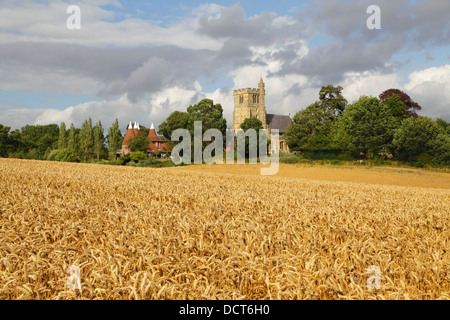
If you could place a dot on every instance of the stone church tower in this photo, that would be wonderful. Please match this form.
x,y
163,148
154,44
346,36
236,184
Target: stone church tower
x,y
249,103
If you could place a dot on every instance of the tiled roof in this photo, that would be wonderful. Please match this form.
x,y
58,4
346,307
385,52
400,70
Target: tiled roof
x,y
277,121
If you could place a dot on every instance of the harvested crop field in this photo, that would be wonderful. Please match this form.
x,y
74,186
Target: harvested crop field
x,y
177,233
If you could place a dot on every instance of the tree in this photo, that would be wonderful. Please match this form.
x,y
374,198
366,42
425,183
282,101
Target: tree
x,y
331,100
4,140
99,139
36,139
440,148
252,123
255,124
367,126
86,140
309,130
72,141
410,105
114,139
444,125
210,114
138,155
414,136
65,155
62,142
176,120
139,143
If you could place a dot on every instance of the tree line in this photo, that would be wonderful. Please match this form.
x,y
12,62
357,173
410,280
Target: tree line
x,y
57,143
387,126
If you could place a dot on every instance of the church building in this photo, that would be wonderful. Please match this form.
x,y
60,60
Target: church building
x,y
250,103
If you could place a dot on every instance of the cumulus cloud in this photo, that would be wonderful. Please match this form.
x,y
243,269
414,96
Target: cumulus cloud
x,y
431,89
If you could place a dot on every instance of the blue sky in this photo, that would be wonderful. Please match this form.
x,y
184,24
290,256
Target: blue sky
x,y
142,60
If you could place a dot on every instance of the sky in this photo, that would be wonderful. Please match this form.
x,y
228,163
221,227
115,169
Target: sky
x,y
139,61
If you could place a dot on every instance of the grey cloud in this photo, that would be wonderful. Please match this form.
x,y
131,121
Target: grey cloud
x,y
259,30
118,70
358,49
233,23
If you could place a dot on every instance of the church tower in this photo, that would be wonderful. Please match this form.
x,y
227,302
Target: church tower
x,y
249,103
262,104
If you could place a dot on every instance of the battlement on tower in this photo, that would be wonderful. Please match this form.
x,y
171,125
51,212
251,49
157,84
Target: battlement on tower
x,y
246,90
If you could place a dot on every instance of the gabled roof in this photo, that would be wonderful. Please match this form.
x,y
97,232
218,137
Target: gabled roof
x,y
277,121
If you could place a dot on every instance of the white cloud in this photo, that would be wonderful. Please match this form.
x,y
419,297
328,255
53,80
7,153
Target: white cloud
x,y
368,83
431,89
46,22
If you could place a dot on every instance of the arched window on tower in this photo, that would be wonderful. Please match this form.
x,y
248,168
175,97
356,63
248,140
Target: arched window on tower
x,y
241,99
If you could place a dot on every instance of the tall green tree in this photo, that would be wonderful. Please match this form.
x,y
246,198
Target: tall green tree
x,y
411,107
255,124
139,143
99,139
114,139
176,120
415,136
331,100
62,142
367,126
72,139
309,130
87,140
4,140
36,139
210,114
440,149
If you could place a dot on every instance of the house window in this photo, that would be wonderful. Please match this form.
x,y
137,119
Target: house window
x,y
254,98
241,99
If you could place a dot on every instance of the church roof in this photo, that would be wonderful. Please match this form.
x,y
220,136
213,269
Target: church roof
x,y
277,121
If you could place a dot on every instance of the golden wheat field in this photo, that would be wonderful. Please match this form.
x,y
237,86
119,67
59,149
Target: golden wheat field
x,y
186,233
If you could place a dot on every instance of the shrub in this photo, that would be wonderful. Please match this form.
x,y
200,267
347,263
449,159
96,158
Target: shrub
x,y
138,155
66,155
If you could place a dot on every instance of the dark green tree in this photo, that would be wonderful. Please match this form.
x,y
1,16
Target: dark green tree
x,y
331,100
176,120
114,139
255,124
139,143
4,140
99,139
136,156
72,139
62,142
410,105
210,114
367,126
440,149
36,139
87,140
309,130
415,137
444,125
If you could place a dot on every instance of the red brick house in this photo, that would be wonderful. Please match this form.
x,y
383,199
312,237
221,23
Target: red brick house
x,y
156,143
